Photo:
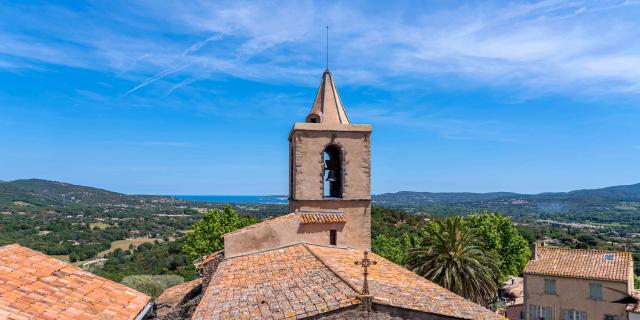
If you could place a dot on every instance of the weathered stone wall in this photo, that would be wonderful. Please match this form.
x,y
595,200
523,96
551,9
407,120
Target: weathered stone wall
x,y
380,312
209,269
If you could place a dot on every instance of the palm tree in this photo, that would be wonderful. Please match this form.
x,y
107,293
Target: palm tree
x,y
454,259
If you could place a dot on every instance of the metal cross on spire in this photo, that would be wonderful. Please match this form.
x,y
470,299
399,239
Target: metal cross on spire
x,y
366,297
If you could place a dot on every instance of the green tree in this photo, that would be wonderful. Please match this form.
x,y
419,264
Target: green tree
x,y
394,248
455,259
207,233
501,237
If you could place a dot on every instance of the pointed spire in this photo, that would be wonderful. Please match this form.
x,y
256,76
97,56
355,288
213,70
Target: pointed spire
x,y
328,108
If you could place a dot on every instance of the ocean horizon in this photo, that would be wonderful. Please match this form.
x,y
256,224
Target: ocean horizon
x,y
233,199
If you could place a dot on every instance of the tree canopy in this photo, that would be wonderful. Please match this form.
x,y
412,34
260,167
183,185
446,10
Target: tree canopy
x,y
207,233
454,257
501,237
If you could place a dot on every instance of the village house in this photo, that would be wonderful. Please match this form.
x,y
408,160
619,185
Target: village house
x,y
577,284
36,286
313,262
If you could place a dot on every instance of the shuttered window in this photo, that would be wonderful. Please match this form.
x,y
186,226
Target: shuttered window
x,y
549,286
595,291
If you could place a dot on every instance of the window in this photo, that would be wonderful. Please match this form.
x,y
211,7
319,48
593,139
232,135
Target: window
x,y
595,291
573,315
332,172
610,317
540,313
549,286
333,237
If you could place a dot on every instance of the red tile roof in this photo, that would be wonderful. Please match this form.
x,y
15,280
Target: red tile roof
x,y
283,283
209,258
309,218
580,263
305,280
396,286
36,286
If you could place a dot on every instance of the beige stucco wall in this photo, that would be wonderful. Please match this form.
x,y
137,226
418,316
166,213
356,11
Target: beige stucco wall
x,y
357,229
573,293
278,234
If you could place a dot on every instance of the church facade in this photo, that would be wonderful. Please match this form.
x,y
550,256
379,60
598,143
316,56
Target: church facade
x,y
309,263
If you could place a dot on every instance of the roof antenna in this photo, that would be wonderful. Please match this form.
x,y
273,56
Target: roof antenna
x,y
327,48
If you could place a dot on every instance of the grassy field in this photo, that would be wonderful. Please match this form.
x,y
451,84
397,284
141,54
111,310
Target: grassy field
x,y
124,244
64,258
99,225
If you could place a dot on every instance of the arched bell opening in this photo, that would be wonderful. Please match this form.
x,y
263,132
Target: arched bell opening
x,y
332,172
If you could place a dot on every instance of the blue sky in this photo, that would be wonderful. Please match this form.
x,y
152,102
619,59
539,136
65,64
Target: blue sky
x,y
172,97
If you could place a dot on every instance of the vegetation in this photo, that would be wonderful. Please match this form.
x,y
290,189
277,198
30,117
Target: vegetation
x,y
207,233
152,285
454,258
500,237
160,258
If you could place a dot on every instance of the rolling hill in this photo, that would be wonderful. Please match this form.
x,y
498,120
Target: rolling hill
x,y
44,192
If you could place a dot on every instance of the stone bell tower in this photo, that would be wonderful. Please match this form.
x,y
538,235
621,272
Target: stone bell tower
x,y
330,166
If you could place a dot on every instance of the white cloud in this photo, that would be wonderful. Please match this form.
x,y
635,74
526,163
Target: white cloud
x,y
567,47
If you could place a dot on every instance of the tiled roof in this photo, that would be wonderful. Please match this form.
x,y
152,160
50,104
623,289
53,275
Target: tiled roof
x,y
36,286
580,263
308,218
174,296
283,283
396,286
305,280
209,258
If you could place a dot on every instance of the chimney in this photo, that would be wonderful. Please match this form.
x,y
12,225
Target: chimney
x,y
534,250
624,248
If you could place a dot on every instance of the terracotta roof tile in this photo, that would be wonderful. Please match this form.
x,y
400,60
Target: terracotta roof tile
x,y
305,280
209,258
580,263
34,285
396,286
309,218
283,283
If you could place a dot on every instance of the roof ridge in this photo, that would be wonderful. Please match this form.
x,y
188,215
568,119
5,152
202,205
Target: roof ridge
x,y
347,282
11,246
584,250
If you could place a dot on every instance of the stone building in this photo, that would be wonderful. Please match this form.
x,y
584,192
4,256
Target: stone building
x,y
576,284
304,265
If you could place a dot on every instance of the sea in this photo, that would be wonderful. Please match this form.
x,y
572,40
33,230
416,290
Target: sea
x,y
233,199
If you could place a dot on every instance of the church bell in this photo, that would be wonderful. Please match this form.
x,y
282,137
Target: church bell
x,y
331,177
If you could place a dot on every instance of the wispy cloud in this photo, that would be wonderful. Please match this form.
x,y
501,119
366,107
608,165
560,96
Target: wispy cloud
x,y
577,47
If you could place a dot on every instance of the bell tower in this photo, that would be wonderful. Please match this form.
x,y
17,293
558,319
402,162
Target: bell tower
x,y
330,166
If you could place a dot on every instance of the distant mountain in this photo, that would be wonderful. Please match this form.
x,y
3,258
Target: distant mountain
x,y
617,193
45,192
